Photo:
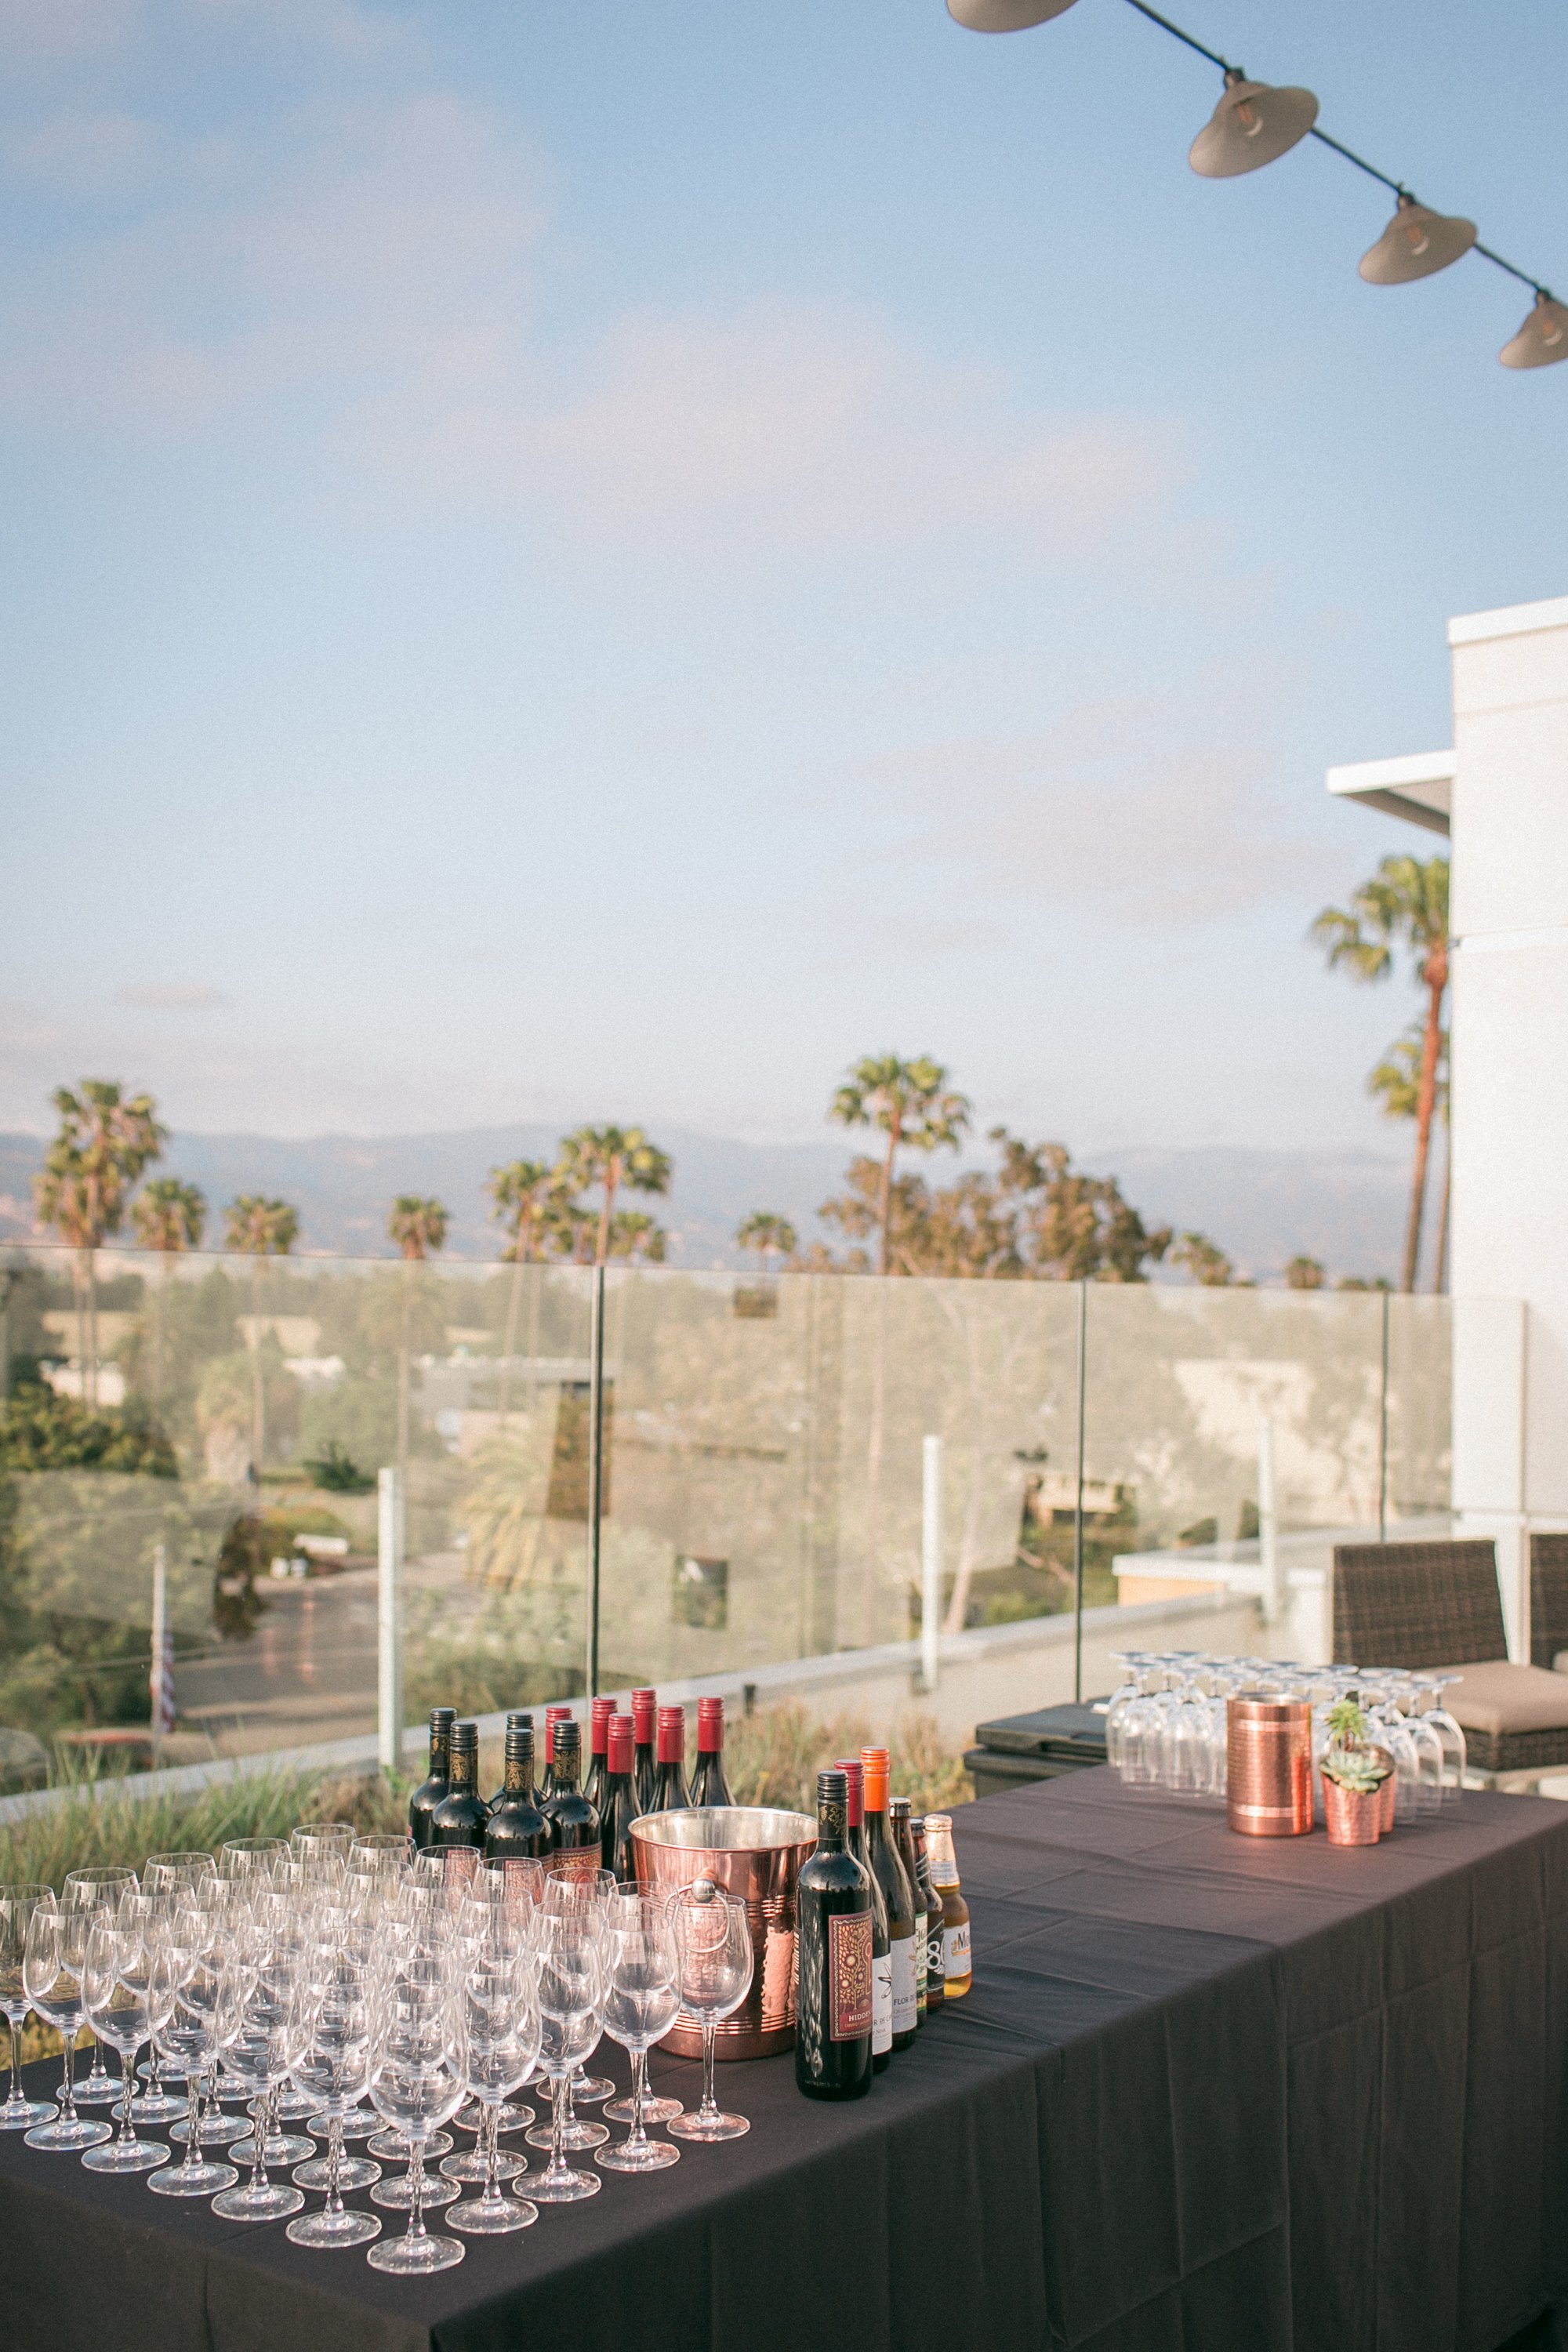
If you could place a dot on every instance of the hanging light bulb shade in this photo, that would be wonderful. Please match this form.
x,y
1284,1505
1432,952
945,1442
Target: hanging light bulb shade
x,y
1416,242
1543,339
1253,124
1005,15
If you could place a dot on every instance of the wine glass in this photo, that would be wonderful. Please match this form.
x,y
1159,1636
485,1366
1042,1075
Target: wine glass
x,y
656,2109
1449,1731
105,1883
321,1849
713,1940
498,1934
128,1991
570,1988
272,2024
17,1905
642,2000
213,1919
333,2068
418,1975
569,1891
52,1962
251,1858
203,2017
495,2029
416,2085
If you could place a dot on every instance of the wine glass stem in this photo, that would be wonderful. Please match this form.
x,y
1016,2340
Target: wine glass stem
x,y
334,2164
639,2071
67,2079
709,2044
127,2093
558,2123
15,2062
492,2153
416,2192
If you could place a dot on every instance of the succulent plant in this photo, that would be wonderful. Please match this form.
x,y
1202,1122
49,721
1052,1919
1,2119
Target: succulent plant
x,y
1351,1759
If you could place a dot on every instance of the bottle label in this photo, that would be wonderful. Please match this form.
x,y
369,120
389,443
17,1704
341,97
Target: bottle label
x,y
849,1976
881,2004
906,2002
955,1950
575,1862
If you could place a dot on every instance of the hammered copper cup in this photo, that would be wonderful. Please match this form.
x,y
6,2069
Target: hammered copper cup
x,y
1268,1764
754,1853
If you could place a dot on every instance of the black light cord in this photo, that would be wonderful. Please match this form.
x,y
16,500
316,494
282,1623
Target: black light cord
x,y
1323,140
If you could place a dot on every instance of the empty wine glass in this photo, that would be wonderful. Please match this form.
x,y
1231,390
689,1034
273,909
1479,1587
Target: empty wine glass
x,y
416,2085
128,1991
713,1940
642,2000
565,1892
273,2021
496,2031
655,2107
203,2017
332,2067
52,1964
17,1905
570,1990
104,1883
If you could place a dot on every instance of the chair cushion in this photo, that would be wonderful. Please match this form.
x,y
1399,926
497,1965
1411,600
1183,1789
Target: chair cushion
x,y
1500,1698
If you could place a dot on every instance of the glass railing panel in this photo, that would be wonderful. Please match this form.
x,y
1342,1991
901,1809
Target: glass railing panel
x,y
1419,1478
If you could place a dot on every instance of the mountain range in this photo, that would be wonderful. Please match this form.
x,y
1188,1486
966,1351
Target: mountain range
x,y
1344,1207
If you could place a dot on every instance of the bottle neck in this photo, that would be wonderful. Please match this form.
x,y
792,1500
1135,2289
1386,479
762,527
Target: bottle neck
x,y
566,1770
440,1755
831,1827
464,1771
940,1856
519,1768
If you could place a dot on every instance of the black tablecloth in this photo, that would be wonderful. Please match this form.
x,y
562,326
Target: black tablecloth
x,y
1208,2091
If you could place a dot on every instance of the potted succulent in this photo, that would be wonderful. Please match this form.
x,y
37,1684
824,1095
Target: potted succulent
x,y
1354,1770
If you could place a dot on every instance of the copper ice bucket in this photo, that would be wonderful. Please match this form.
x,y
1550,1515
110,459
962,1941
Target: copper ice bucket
x,y
756,1853
1268,1764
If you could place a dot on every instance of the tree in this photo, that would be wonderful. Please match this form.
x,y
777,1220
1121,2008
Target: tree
x,y
765,1232
521,1196
259,1228
1074,1227
106,1138
418,1226
169,1217
1204,1261
1406,902
1396,1083
635,1236
1302,1273
611,1157
912,1103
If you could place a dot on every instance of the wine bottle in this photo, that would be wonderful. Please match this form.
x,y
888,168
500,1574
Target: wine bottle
x,y
833,1945
620,1809
881,1950
708,1786
898,1830
645,1762
553,1716
422,1804
516,1826
889,1870
933,1901
574,1832
957,1965
598,1731
462,1815
670,1781
520,1719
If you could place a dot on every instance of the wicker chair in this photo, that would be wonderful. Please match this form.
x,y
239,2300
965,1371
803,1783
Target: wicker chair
x,y
1437,1605
1548,1600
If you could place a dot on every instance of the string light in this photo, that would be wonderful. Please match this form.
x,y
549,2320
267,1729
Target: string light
x,y
1255,123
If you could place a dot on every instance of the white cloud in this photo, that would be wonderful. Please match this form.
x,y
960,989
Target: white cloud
x,y
153,996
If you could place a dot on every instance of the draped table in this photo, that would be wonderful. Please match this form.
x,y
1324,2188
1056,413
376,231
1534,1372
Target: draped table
x,y
1208,2091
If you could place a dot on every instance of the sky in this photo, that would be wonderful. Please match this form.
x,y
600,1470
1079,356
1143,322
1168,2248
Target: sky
x,y
567,558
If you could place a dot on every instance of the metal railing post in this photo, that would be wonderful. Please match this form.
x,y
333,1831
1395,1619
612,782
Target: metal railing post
x,y
1268,1525
595,1473
1078,1513
389,1529
932,1499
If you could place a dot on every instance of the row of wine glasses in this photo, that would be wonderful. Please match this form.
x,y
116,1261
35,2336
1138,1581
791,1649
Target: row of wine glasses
x,y
348,1982
1166,1725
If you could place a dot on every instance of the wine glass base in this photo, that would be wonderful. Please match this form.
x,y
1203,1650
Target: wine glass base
x,y
514,2115
126,2156
328,2230
585,2088
268,2203
482,2219
652,2156
69,2135
358,2124
282,2148
214,2131
160,2107
710,2128
292,2105
97,2090
564,2188
654,2111
27,2114
354,2172
393,2148
397,2197
470,2165
414,2257
578,2136
198,2180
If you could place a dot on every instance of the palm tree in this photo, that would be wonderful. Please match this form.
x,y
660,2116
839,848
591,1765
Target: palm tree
x,y
1406,902
1396,1083
418,1226
611,1157
169,1217
909,1101
1204,1261
106,1138
521,1196
764,1232
1303,1272
635,1236
259,1228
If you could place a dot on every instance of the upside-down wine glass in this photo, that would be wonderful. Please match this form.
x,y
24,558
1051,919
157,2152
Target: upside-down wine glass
x,y
17,1905
713,1940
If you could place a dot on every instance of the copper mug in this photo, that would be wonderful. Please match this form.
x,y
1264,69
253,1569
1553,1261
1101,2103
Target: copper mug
x,y
1268,1764
752,1851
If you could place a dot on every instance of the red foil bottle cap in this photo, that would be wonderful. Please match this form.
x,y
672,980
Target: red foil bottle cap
x,y
553,1716
874,1768
850,1768
645,1709
710,1725
672,1734
620,1732
602,1710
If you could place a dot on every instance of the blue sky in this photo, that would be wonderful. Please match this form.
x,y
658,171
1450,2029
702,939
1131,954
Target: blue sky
x,y
569,558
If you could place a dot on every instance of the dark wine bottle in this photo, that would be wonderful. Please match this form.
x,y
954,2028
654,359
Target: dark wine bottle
x,y
669,1780
832,1943
936,1974
645,1761
574,1832
462,1815
620,1809
708,1786
598,1748
881,1950
516,1827
553,1716
518,1720
899,1830
888,1871
422,1804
